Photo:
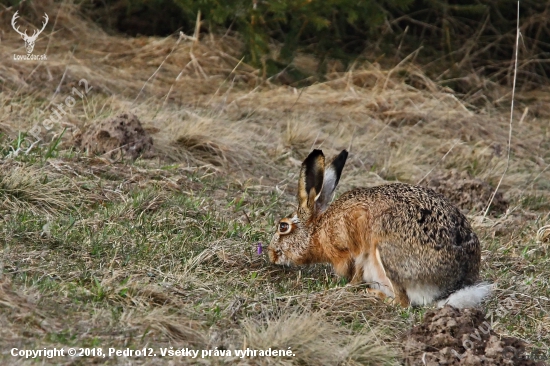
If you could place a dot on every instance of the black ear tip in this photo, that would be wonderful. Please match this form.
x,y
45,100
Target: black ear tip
x,y
313,156
341,158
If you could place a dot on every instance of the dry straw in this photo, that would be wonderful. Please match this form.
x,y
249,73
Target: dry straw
x,y
511,116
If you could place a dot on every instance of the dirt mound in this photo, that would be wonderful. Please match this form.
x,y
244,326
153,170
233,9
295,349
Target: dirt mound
x,y
118,137
466,192
449,336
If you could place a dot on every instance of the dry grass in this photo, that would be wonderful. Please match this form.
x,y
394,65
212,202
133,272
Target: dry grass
x,y
28,189
314,341
162,252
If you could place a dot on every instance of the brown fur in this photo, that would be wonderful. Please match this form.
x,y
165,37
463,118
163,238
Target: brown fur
x,y
419,236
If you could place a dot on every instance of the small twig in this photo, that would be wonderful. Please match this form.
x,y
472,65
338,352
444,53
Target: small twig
x,y
247,218
196,35
53,29
352,138
525,111
197,65
297,99
401,42
9,8
162,63
58,89
225,81
437,164
409,56
511,120
31,147
315,141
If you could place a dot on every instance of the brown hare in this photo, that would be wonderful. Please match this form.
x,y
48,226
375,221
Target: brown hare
x,y
409,241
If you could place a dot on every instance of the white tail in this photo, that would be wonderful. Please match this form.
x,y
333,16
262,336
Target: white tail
x,y
29,41
467,297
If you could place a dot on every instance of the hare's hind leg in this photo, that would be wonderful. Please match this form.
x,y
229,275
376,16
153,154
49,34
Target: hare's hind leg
x,y
400,296
390,287
374,272
409,274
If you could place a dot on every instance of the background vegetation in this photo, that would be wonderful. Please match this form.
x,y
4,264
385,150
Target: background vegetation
x,y
453,37
162,251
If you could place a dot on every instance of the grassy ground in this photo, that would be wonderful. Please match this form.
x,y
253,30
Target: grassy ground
x,y
163,252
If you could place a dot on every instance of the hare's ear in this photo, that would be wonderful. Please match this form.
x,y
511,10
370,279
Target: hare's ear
x,y
333,171
310,183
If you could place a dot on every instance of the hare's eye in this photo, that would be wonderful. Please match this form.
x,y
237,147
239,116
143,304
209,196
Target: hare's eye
x,y
283,227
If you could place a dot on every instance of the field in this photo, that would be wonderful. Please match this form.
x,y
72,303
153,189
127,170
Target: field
x,y
162,251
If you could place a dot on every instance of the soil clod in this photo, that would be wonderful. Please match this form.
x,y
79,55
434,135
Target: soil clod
x,y
450,336
466,192
119,137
